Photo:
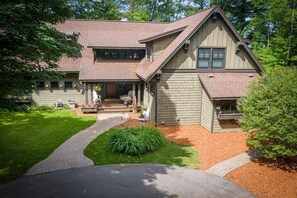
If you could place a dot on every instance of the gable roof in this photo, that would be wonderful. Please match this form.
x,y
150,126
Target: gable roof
x,y
146,71
125,35
226,85
105,34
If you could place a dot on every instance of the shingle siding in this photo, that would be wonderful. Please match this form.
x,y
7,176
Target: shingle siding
x,y
207,111
50,96
179,99
161,43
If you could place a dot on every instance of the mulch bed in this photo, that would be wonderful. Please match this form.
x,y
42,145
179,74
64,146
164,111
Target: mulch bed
x,y
261,179
212,147
266,180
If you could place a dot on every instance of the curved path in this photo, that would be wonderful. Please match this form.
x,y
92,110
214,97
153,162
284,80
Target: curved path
x,y
124,180
223,168
70,153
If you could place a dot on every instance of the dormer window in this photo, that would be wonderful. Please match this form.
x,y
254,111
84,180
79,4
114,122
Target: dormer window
x,y
121,54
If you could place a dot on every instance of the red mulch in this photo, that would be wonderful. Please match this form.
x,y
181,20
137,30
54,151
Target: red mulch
x,y
266,181
212,147
262,180
134,122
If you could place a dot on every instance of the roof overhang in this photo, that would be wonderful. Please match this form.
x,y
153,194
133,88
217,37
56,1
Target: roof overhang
x,y
163,34
114,47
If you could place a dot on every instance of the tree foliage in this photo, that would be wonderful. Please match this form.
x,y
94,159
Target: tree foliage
x,y
92,9
273,29
270,113
30,45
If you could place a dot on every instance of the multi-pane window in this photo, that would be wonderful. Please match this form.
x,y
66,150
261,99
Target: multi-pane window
x,y
120,53
228,106
218,58
68,84
40,85
203,58
54,85
211,58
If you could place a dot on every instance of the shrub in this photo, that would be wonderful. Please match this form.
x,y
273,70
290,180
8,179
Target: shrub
x,y
136,141
270,113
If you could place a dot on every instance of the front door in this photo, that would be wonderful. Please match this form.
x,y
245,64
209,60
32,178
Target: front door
x,y
110,90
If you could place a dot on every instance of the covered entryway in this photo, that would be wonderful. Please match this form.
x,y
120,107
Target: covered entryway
x,y
110,90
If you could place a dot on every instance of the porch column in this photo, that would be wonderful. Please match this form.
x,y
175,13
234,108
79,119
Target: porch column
x,y
138,94
86,93
92,101
133,86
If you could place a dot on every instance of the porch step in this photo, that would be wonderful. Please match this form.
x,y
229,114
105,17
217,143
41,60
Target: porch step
x,y
114,110
112,100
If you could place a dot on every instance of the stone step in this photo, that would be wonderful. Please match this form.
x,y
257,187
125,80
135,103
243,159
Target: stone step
x,y
114,110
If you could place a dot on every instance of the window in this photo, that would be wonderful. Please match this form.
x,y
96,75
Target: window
x,y
218,58
203,58
113,54
211,58
55,85
229,106
40,85
68,85
148,53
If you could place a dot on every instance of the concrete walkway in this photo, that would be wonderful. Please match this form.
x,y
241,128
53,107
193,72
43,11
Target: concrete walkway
x,y
223,168
70,153
124,180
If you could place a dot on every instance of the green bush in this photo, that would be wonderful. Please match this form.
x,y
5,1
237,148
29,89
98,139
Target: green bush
x,y
136,141
270,113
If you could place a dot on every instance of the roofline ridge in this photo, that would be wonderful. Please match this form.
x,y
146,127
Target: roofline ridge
x,y
99,20
200,11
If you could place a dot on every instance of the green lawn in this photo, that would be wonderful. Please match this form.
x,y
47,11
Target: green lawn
x,y
27,138
170,153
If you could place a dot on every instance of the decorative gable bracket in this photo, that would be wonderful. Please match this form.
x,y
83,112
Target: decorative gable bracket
x,y
186,45
238,46
215,16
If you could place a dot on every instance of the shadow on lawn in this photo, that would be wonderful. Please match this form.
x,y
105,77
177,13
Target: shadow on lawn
x,y
27,138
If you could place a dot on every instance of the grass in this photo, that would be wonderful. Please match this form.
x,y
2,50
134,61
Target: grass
x,y
170,153
27,138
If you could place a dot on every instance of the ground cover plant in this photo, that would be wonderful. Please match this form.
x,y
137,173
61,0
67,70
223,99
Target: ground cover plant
x,y
27,138
170,153
136,141
270,113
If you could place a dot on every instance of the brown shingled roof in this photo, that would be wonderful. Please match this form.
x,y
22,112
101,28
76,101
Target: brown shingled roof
x,y
113,34
107,70
226,85
147,71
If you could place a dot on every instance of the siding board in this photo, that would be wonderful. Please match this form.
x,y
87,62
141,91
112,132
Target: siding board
x,y
179,97
212,35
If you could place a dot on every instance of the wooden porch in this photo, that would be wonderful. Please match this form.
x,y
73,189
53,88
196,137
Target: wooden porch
x,y
113,105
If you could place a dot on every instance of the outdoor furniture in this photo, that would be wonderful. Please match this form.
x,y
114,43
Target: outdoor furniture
x,y
127,99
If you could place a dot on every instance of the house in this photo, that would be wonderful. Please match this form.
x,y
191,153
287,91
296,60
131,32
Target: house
x,y
190,71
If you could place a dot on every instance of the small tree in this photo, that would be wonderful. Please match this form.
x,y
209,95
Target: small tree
x,y
270,113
